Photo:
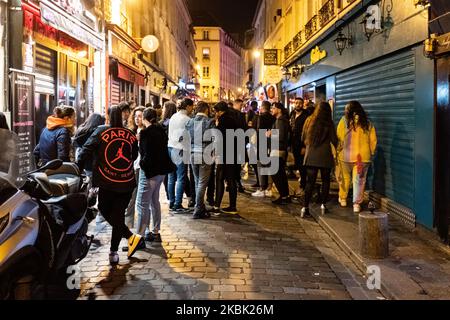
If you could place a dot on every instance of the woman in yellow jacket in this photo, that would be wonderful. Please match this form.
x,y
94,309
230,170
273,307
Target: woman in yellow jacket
x,y
357,146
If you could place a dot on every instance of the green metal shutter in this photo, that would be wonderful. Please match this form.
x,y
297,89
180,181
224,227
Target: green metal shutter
x,y
386,90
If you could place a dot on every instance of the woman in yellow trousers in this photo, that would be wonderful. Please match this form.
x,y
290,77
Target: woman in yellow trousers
x,y
357,146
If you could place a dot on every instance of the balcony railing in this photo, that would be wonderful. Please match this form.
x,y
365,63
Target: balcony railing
x,y
326,13
288,50
311,27
297,41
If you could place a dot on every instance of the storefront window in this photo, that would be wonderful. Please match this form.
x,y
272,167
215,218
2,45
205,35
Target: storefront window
x,y
83,104
62,79
73,80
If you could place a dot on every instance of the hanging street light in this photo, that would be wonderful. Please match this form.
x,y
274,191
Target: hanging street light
x,y
286,74
150,44
341,42
296,71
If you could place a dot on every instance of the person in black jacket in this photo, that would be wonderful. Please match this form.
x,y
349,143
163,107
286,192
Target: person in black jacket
x,y
55,142
240,119
265,121
155,165
114,149
318,135
225,170
82,135
297,121
282,126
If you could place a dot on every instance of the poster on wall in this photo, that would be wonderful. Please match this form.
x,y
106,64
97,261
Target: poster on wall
x,y
22,98
272,93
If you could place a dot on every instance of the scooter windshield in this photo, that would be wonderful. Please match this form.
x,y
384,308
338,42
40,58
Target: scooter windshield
x,y
9,168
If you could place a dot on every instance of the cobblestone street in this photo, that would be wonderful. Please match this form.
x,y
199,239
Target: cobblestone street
x,y
266,252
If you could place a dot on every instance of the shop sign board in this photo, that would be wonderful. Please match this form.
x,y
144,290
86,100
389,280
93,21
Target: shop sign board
x,y
270,57
70,25
273,74
22,95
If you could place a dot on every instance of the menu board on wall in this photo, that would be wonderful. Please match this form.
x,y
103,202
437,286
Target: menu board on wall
x,y
22,98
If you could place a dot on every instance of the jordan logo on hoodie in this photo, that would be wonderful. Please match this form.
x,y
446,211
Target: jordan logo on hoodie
x,y
117,146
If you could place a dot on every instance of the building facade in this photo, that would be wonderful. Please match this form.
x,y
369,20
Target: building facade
x,y
147,77
380,62
220,64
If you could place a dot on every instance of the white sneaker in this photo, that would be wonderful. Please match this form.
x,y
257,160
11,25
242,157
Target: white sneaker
x,y
114,258
259,194
268,193
305,213
343,203
356,208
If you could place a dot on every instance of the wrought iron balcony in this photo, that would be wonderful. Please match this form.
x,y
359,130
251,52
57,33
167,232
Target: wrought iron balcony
x,y
297,41
311,27
288,50
326,13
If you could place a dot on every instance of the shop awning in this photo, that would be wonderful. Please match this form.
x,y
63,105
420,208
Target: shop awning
x,y
130,75
64,22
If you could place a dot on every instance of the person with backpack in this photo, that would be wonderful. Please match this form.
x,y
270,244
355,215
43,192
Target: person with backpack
x,y
357,146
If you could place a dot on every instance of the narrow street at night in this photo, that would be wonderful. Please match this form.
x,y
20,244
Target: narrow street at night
x,y
261,156
263,253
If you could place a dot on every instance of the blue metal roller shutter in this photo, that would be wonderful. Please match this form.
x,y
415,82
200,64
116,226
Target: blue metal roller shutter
x,y
386,90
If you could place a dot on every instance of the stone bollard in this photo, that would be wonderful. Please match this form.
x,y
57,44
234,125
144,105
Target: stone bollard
x,y
374,234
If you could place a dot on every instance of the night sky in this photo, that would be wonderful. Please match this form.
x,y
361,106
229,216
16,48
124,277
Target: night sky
x,y
235,16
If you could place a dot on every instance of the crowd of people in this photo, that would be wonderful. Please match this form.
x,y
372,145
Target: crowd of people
x,y
134,151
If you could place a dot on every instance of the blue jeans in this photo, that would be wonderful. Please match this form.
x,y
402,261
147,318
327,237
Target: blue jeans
x,y
177,179
147,201
202,173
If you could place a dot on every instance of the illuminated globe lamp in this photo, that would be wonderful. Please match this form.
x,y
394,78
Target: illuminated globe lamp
x,y
150,44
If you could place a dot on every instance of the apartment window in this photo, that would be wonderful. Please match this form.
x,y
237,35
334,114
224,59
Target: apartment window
x,y
206,53
205,35
206,92
205,72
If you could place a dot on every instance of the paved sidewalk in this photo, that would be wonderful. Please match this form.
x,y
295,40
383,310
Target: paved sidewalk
x,y
266,252
418,267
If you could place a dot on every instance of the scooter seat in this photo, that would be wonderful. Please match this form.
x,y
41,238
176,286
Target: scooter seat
x,y
63,184
69,209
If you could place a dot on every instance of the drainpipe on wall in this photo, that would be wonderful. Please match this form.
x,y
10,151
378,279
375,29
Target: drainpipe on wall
x,y
4,45
15,34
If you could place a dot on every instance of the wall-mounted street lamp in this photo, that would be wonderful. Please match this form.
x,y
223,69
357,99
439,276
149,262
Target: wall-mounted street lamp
x,y
256,54
150,43
296,71
343,42
287,74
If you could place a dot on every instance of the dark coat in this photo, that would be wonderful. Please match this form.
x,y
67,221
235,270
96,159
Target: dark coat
x,y
320,156
226,122
155,159
53,144
265,121
240,119
114,151
79,141
282,125
297,124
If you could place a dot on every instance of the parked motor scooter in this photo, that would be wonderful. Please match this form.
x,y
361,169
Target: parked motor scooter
x,y
43,232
